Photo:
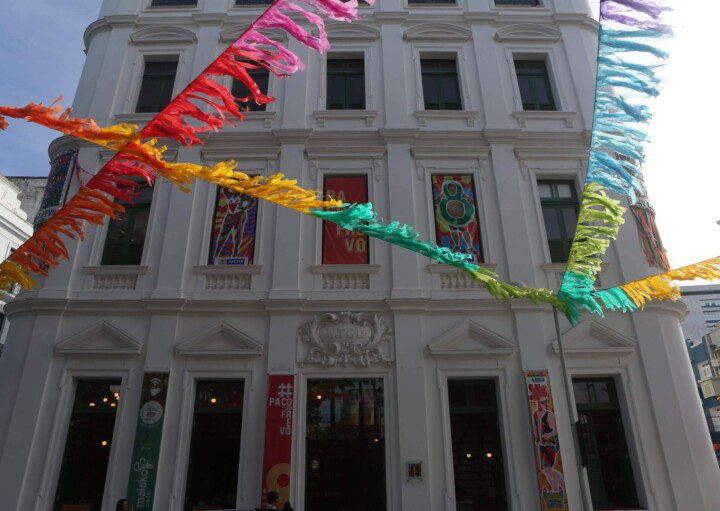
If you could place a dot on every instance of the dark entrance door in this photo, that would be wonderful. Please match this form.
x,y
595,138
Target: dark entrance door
x,y
345,445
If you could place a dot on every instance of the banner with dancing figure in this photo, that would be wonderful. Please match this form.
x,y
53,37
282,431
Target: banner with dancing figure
x,y
551,479
233,235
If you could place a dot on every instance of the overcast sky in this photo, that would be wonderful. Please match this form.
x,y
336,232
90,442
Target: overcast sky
x,y
41,57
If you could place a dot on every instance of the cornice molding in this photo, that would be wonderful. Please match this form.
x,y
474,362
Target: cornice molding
x,y
163,35
437,32
527,32
354,33
232,32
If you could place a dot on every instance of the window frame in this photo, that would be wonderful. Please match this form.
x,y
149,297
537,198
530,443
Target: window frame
x,y
544,53
208,245
145,63
390,422
254,107
429,57
143,254
499,5
557,203
441,50
500,377
136,66
537,106
76,369
343,51
190,377
151,5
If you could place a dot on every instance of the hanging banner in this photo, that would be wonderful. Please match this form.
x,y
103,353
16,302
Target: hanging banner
x,y
551,479
341,246
143,469
56,184
456,220
233,236
278,438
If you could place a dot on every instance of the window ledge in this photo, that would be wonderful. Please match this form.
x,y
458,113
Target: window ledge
x,y
135,118
325,269
119,277
556,271
224,269
335,115
266,117
345,277
438,268
523,116
453,278
116,269
423,115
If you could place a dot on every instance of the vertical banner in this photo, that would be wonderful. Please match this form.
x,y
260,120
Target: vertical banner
x,y
456,220
233,234
143,469
551,480
56,183
341,246
278,438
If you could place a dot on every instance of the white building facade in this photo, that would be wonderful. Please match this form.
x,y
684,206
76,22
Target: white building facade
x,y
407,379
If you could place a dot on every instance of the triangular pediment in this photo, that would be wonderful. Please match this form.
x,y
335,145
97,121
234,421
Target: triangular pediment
x,y
592,337
437,32
163,35
220,339
102,338
471,338
355,33
527,32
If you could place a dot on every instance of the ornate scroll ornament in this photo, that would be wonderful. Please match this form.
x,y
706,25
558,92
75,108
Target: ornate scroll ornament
x,y
345,338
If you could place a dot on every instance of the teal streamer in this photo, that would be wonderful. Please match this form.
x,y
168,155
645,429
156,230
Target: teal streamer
x,y
614,298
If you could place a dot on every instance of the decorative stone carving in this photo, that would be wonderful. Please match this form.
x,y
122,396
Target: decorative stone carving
x,y
346,338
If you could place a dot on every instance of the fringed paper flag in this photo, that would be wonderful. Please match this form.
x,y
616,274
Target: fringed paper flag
x,y
204,105
626,78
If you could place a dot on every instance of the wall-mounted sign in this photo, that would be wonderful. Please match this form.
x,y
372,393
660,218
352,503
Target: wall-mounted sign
x,y
278,438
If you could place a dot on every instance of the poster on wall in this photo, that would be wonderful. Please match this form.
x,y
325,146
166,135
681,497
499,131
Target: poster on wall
x,y
341,246
456,218
233,234
55,187
551,478
148,434
278,438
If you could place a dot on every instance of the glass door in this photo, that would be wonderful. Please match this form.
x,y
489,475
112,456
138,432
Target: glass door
x,y
345,445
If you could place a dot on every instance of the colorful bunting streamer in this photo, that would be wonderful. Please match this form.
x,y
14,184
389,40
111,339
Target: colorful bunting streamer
x,y
626,79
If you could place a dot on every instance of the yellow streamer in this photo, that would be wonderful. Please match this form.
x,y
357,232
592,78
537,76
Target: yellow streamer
x,y
659,287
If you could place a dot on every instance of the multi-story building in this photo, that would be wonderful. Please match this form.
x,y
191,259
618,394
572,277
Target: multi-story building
x,y
703,310
19,201
158,360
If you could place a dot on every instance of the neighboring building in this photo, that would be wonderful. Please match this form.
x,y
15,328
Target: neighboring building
x,y
143,362
32,189
702,337
17,199
703,309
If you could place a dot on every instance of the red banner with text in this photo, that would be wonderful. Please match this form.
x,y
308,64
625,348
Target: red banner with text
x,y
341,246
278,441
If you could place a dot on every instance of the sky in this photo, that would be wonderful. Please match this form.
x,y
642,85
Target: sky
x,y
41,57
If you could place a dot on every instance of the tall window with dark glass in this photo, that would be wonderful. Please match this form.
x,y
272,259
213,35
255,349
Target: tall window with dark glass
x,y
125,237
345,84
441,89
261,77
559,203
534,83
157,85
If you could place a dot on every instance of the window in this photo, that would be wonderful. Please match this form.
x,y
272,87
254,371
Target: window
x,y
560,210
233,235
157,86
261,77
476,447
87,447
253,2
214,461
341,246
456,218
345,445
534,83
526,3
173,3
441,89
345,83
431,2
612,485
705,370
126,235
